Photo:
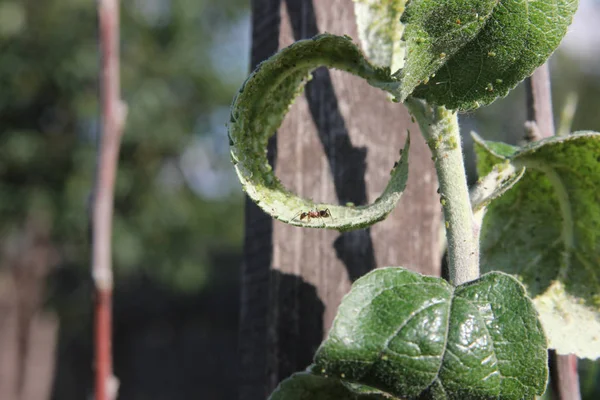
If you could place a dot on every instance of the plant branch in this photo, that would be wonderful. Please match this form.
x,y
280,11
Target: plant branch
x,y
440,128
112,119
539,105
565,379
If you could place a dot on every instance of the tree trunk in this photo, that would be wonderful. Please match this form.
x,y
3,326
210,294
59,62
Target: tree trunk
x,y
337,144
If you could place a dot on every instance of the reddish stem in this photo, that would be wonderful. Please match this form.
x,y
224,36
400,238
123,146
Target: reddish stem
x,y
564,376
563,368
103,345
113,115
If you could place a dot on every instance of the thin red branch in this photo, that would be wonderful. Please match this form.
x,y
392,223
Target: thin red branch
x,y
540,124
564,376
112,119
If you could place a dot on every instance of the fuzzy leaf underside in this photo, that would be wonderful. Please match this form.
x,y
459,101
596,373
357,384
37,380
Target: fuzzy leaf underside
x,y
259,109
546,231
307,386
467,53
380,31
415,336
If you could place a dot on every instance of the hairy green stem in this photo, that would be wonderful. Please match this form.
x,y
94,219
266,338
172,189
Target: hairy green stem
x,y
439,126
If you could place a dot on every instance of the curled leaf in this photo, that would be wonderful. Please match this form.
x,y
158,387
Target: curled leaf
x,y
259,109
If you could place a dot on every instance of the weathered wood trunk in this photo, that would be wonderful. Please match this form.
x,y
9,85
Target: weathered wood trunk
x,y
338,144
28,333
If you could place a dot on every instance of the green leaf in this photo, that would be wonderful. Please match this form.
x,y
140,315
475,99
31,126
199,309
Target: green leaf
x,y
466,53
495,150
380,31
546,231
259,109
497,177
435,31
500,179
418,337
306,386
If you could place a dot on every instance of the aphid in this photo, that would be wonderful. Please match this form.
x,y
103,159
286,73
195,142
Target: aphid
x,y
452,144
313,214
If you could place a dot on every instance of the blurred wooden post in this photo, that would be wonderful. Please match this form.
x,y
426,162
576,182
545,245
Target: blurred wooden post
x,y
28,333
338,144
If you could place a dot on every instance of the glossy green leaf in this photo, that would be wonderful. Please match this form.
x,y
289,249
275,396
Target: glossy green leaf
x,y
466,53
259,109
380,31
546,231
306,386
416,336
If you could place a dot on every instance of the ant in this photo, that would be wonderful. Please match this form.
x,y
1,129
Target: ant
x,y
313,214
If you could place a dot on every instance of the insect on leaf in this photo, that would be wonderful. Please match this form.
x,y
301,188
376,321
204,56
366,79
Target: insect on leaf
x,y
259,109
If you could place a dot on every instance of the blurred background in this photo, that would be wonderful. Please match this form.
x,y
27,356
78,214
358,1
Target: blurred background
x,y
178,215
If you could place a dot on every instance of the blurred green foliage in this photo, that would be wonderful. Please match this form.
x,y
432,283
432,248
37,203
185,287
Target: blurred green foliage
x,y
172,85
